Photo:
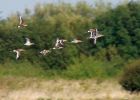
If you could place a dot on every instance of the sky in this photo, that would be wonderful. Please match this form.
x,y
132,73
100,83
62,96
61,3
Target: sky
x,y
7,7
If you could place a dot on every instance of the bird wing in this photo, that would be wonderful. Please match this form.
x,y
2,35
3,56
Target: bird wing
x,y
73,41
80,41
21,50
20,20
27,39
17,54
99,35
57,43
91,30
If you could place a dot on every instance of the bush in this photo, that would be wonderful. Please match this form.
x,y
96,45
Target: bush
x,y
131,77
89,67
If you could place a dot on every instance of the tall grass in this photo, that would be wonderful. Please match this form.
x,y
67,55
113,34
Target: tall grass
x,y
90,67
82,68
23,69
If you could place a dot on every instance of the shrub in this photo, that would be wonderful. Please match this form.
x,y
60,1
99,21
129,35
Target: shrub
x,y
131,77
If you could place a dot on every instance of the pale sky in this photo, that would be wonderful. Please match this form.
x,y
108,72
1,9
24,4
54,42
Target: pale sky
x,y
7,7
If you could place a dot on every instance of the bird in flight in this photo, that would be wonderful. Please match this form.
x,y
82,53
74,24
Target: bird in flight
x,y
18,52
59,44
45,52
28,42
21,22
94,34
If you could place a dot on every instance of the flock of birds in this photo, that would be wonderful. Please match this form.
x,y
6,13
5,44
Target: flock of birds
x,y
59,44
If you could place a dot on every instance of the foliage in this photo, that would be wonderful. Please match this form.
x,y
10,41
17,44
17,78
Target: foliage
x,y
21,69
131,77
121,27
89,67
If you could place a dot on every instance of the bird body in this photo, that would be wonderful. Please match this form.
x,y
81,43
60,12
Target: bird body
x,y
92,32
61,42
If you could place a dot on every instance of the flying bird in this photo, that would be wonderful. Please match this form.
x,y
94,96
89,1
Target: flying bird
x,y
94,35
21,22
59,43
28,42
44,52
18,52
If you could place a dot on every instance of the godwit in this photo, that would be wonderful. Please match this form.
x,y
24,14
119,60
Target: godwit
x,y
28,43
44,52
17,51
21,22
95,35
58,44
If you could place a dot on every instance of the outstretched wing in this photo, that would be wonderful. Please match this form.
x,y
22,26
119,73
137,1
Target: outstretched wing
x,y
99,35
21,50
20,20
27,40
17,54
57,43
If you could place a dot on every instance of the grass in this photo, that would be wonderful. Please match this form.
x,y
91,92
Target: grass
x,y
82,68
85,79
60,89
23,69
89,67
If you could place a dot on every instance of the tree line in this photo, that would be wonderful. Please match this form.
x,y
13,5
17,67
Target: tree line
x,y
120,27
